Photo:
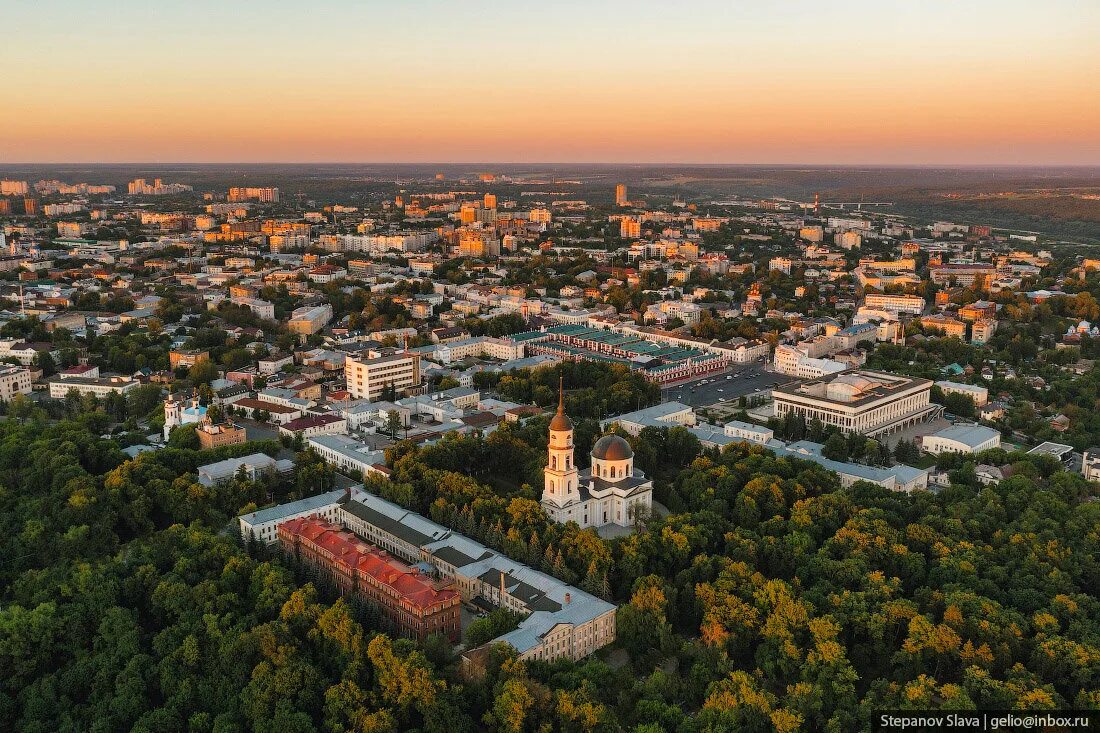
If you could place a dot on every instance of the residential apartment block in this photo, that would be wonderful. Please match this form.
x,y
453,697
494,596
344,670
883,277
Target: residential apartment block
x,y
369,375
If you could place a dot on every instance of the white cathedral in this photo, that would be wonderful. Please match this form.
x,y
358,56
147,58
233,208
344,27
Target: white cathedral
x,y
179,413
612,491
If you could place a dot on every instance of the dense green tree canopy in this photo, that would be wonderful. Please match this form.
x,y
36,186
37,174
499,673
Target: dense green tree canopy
x,y
769,598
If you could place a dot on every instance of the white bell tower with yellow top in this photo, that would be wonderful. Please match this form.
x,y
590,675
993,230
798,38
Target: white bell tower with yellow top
x,y
561,477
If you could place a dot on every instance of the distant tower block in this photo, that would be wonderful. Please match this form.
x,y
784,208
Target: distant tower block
x,y
620,195
817,204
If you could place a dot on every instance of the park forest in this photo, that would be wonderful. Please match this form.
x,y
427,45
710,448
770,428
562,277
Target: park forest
x,y
770,598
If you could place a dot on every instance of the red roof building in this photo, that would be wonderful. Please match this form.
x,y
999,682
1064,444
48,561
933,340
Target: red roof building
x,y
411,602
309,425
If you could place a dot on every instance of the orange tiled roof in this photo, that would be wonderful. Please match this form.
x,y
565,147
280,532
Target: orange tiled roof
x,y
356,555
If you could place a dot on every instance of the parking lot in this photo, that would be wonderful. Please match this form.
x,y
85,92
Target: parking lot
x,y
743,379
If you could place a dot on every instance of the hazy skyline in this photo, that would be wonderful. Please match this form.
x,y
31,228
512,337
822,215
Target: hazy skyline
x,y
852,82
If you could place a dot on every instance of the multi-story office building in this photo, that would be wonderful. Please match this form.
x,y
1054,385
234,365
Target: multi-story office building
x,y
949,326
216,436
263,525
741,350
748,432
560,620
369,375
961,439
1090,464
309,319
660,312
794,362
262,308
467,214
186,357
14,380
62,209
979,310
277,414
73,229
310,425
253,465
280,226
21,351
965,274
707,223
98,386
620,195
979,394
282,242
866,402
347,454
410,602
981,331
895,303
781,264
630,228
871,264
479,346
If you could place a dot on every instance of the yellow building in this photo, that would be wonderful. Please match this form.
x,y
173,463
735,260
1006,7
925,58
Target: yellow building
x,y
620,195
949,326
630,228
216,436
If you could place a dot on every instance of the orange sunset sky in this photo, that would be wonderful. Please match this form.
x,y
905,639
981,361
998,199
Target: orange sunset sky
x,y
849,81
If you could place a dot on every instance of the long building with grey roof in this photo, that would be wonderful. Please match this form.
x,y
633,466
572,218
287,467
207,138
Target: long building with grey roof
x,y
559,620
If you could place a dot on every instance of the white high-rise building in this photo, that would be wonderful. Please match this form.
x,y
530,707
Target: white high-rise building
x,y
369,377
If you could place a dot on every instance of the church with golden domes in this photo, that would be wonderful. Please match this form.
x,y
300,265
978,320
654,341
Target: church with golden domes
x,y
611,492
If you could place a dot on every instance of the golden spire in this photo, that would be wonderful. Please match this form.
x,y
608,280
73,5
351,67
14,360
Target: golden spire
x,y
561,421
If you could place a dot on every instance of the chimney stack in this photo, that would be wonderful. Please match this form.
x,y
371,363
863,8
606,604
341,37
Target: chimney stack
x,y
568,599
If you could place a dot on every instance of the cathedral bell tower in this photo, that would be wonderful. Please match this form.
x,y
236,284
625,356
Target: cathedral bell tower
x,y
171,414
561,480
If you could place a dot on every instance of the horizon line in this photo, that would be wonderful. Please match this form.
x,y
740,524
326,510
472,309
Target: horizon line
x,y
607,164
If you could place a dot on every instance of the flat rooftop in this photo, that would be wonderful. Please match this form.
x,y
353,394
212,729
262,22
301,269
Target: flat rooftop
x,y
854,387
